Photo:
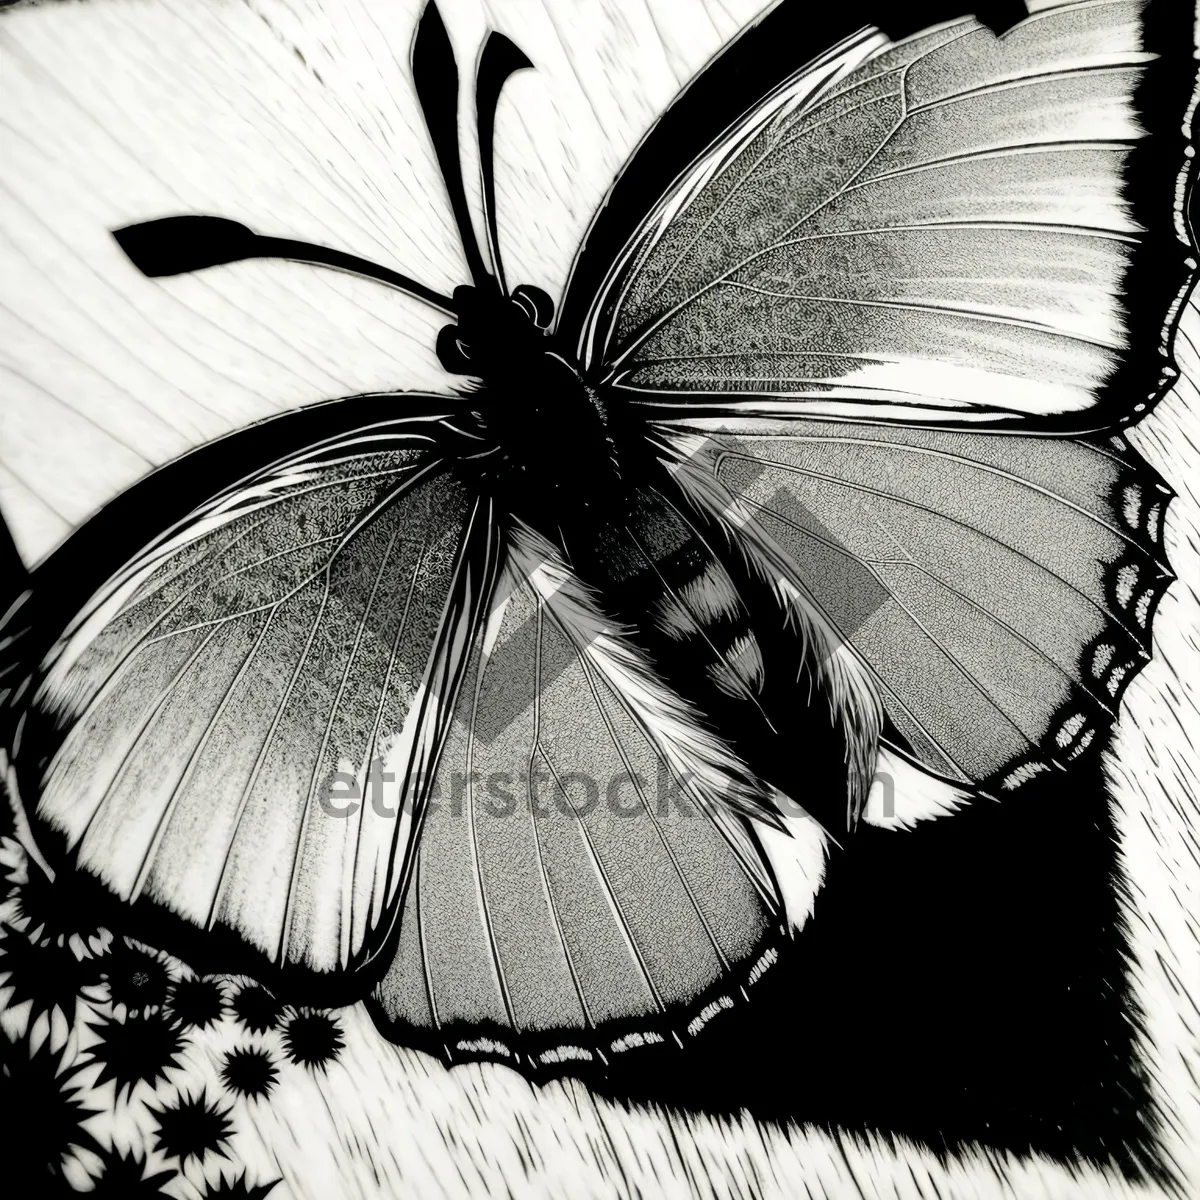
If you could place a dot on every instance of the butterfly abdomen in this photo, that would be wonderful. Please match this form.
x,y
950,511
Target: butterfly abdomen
x,y
717,635
669,583
701,611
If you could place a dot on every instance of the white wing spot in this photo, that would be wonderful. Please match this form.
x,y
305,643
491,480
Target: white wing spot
x,y
1131,503
566,1054
1114,680
1070,728
1023,774
761,967
1154,521
1142,612
1084,743
634,1041
707,1013
1127,578
484,1046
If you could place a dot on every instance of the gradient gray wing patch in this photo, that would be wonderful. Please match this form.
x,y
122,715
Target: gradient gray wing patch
x,y
942,228
288,631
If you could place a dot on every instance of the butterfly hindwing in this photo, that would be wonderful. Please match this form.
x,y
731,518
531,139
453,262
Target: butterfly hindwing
x,y
209,704
999,589
581,886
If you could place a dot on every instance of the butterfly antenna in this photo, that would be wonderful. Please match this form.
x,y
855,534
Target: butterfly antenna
x,y
178,245
499,59
435,77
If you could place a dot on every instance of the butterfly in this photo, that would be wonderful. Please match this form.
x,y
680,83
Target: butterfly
x,y
528,713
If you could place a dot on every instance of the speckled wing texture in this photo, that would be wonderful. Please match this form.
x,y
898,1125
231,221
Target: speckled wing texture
x,y
887,327
942,227
1012,579
246,670
582,888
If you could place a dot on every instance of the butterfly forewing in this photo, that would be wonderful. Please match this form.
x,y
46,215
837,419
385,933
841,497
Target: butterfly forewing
x,y
216,698
945,228
947,231
579,879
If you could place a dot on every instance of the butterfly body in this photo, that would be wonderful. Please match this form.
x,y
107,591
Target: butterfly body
x,y
530,397
556,455
561,456
719,635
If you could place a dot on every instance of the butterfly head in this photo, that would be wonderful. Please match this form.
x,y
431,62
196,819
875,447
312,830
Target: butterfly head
x,y
495,333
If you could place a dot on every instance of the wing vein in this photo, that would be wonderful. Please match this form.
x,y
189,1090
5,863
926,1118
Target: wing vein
x,y
1005,85
184,779
909,561
632,777
481,889
951,657
373,741
602,875
947,309
533,816
301,836
1012,151
256,770
806,130
150,718
1110,617
682,304
430,990
975,464
360,523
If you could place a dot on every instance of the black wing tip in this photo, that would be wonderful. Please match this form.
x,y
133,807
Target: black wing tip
x,y
178,245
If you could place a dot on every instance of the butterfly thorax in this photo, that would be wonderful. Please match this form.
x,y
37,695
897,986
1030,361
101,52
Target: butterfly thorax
x,y
538,430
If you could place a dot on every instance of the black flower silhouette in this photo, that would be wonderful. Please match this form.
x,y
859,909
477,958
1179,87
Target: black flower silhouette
x,y
43,1114
249,1071
137,1050
237,1189
125,1178
136,979
49,975
191,1128
53,914
257,1009
313,1039
196,1003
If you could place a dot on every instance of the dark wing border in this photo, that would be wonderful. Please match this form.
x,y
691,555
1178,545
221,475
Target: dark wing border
x,y
1161,186
633,1044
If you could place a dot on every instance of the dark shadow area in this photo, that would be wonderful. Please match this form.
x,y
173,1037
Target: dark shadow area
x,y
962,982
